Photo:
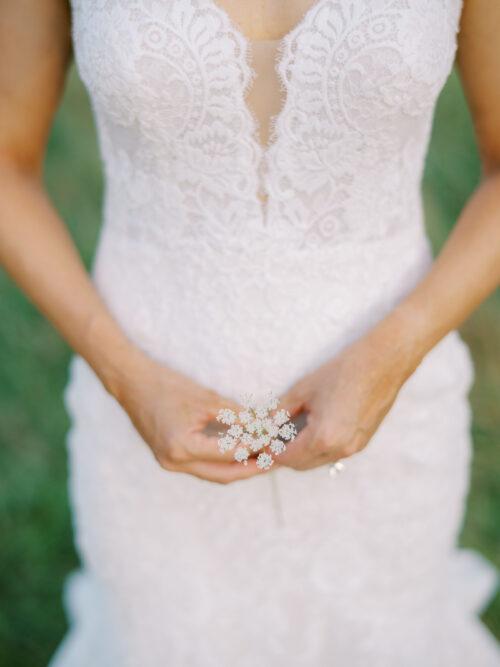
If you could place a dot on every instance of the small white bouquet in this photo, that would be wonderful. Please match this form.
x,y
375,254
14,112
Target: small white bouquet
x,y
260,427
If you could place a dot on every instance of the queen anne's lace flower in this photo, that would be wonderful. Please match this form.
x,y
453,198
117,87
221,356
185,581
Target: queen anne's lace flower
x,y
265,460
245,416
247,438
226,443
277,446
261,411
258,425
256,445
257,430
226,416
271,426
241,454
280,417
235,430
287,431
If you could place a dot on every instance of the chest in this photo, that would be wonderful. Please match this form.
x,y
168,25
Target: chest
x,y
173,67
268,20
185,91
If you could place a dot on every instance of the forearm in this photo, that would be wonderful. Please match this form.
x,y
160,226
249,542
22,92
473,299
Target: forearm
x,y
38,253
465,272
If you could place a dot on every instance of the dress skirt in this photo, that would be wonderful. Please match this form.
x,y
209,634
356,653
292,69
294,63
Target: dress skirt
x,y
288,568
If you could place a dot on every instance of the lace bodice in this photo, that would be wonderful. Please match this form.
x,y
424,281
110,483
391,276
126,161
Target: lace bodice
x,y
169,81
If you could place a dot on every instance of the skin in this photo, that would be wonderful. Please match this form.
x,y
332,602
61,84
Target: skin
x,y
263,20
345,399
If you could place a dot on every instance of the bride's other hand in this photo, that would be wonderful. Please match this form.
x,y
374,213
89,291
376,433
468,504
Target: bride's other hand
x,y
346,398
170,410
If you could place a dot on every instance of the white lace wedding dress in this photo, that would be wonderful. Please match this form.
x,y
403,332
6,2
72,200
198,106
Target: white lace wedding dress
x,y
245,265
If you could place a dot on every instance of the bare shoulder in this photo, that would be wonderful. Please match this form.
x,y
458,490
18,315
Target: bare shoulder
x,y
35,42
478,61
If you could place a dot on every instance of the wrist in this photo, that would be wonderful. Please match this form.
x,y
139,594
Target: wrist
x,y
123,368
401,335
115,359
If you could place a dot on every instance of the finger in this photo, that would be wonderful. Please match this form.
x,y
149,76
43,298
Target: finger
x,y
206,448
223,473
219,402
292,400
299,449
209,424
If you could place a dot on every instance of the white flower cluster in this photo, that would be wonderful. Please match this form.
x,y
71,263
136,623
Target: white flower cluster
x,y
257,430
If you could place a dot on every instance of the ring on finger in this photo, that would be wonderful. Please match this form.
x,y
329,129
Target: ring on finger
x,y
336,468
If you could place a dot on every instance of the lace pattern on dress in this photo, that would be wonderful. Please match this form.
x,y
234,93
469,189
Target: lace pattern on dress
x,y
360,79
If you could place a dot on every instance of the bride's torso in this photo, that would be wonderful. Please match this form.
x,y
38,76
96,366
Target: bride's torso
x,y
246,205
178,116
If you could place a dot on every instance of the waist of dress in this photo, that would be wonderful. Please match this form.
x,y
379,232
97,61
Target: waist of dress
x,y
255,290
256,250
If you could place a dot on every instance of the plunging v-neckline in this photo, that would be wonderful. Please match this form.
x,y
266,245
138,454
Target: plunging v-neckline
x,y
263,150
315,5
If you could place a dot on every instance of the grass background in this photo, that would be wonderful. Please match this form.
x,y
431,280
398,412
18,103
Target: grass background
x,y
36,548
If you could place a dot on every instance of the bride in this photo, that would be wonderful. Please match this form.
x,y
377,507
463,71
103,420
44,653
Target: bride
x,y
262,234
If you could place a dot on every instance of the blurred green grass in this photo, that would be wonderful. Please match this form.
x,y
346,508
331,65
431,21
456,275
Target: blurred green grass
x,y
35,524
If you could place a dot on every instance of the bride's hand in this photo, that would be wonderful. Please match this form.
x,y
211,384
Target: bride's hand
x,y
169,411
346,399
